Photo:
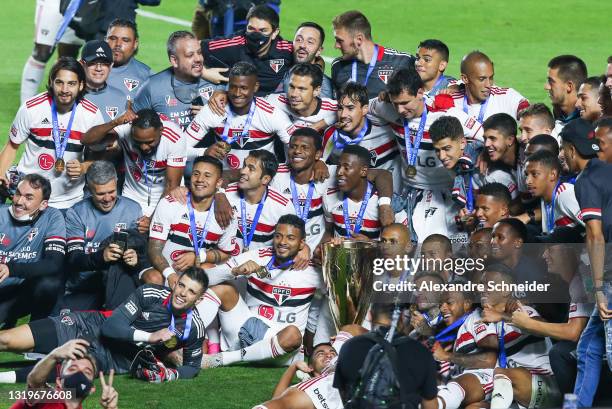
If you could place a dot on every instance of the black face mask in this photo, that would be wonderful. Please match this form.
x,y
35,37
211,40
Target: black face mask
x,y
255,41
79,383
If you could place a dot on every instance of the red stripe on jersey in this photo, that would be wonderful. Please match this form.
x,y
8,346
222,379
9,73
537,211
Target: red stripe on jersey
x,y
562,188
511,336
277,197
225,43
55,238
265,251
384,148
332,190
283,168
284,45
465,337
381,53
38,100
283,99
185,228
170,134
564,221
88,105
213,299
328,134
370,224
261,227
261,103
327,106
268,288
42,132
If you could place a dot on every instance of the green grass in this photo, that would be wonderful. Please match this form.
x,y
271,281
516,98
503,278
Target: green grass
x,y
520,36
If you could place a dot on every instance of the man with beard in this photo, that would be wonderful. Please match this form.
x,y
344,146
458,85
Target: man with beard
x,y
51,125
588,99
260,45
178,92
431,62
565,75
363,61
128,74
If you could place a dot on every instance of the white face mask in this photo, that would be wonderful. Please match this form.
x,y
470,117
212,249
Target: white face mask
x,y
24,218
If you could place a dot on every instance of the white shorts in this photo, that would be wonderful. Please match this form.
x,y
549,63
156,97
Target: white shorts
x,y
321,392
485,377
47,22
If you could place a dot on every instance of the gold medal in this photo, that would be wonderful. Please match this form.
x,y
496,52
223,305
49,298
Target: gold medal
x,y
262,272
60,165
171,343
225,146
411,171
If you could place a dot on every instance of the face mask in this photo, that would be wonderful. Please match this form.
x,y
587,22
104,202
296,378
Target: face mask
x,y
24,218
255,41
79,383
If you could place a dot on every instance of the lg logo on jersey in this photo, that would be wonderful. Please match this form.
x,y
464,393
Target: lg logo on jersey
x,y
45,161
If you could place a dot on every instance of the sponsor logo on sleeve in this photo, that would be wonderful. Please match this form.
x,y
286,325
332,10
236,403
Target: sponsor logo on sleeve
x,y
157,227
131,307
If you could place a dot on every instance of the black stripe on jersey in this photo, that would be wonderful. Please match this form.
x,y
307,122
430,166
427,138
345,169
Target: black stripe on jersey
x,y
426,146
199,323
257,238
466,348
252,144
155,292
369,234
315,212
385,159
272,301
530,339
49,144
185,242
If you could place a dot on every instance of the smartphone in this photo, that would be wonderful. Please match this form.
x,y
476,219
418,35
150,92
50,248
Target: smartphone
x,y
120,238
198,101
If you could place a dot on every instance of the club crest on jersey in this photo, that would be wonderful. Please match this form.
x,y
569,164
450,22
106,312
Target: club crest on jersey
x,y
281,294
112,112
373,158
206,92
130,84
171,102
33,233
237,136
4,239
384,74
277,64
120,226
67,320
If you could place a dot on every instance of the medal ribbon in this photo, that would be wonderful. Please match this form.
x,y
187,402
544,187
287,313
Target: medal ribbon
x,y
370,67
438,83
198,241
148,182
469,199
270,266
550,209
443,336
347,140
247,237
247,124
172,326
362,209
412,148
483,107
302,212
60,144
502,348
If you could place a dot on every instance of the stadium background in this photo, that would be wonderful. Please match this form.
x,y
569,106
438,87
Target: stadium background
x,y
520,36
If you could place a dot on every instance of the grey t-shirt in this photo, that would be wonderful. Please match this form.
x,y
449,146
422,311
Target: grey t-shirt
x,y
109,100
130,77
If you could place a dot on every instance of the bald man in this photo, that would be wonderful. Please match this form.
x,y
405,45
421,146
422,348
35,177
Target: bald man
x,y
479,97
395,240
436,249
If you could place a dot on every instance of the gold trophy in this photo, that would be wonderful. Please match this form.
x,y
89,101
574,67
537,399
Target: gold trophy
x,y
347,271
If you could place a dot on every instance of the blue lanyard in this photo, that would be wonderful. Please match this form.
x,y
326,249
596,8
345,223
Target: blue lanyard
x,y
148,182
370,67
550,209
443,337
247,124
502,348
247,237
198,241
432,321
270,266
302,212
172,326
362,209
470,194
483,107
341,140
412,148
60,144
438,83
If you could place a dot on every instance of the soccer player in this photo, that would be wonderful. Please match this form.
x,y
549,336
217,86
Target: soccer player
x,y
163,319
127,74
535,120
270,321
435,250
355,129
558,204
480,98
608,74
362,60
588,96
502,151
565,75
90,222
492,204
32,249
51,125
431,62
425,181
178,92
260,45
603,133
97,60
186,234
153,155
249,122
351,207
47,22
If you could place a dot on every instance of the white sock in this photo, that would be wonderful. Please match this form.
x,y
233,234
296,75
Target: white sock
x,y
452,394
264,349
209,307
8,377
32,75
259,407
502,395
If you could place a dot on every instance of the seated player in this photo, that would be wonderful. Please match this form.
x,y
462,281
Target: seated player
x,y
32,250
153,156
492,204
523,374
270,321
187,234
161,318
90,222
425,315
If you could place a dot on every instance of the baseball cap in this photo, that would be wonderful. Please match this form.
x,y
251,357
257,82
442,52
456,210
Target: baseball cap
x,y
97,50
581,134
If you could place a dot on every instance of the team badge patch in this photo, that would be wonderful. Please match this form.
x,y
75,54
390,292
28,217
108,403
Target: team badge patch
x,y
171,102
120,226
131,84
469,124
281,294
373,158
13,131
33,233
45,161
112,112
276,65
384,74
4,239
206,92
67,320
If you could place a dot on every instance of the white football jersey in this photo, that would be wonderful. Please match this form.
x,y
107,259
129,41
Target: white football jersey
x,y
327,110
33,124
497,176
267,123
566,211
145,177
506,100
170,223
274,207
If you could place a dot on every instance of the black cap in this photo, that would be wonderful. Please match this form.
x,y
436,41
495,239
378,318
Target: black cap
x,y
581,134
97,50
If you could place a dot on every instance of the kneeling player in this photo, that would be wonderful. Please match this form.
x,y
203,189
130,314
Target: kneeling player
x,y
270,322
